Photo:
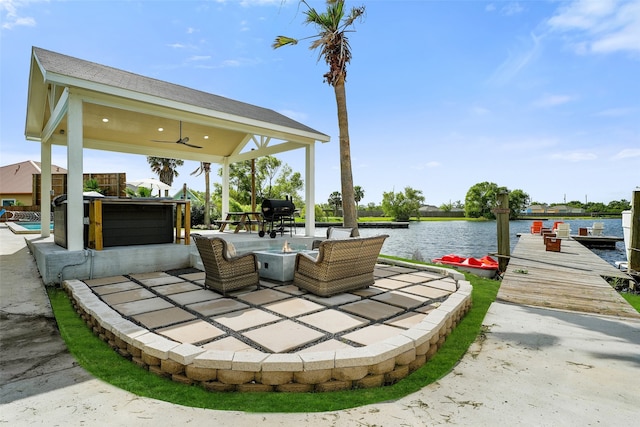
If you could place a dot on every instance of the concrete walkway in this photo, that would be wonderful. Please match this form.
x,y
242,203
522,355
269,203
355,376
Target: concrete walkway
x,y
531,367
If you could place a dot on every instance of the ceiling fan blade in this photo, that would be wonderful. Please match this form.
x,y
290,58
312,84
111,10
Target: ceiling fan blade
x,y
188,145
159,140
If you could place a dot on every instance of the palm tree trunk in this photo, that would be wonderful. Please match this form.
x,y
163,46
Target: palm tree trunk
x,y
346,175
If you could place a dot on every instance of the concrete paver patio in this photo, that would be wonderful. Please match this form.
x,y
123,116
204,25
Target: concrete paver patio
x,y
273,317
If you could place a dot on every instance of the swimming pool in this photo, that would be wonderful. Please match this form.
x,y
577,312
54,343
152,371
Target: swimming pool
x,y
25,227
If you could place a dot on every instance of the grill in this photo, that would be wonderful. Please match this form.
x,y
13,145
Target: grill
x,y
277,214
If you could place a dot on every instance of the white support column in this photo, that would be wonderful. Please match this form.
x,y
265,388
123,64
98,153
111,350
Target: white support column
x,y
45,189
75,208
225,186
310,190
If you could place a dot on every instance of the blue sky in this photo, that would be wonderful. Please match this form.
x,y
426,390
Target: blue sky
x,y
542,96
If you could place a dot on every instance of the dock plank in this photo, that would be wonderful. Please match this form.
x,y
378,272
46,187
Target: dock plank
x,y
572,279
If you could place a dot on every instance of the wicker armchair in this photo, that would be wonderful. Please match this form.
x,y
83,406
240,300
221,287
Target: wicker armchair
x,y
341,266
334,233
225,273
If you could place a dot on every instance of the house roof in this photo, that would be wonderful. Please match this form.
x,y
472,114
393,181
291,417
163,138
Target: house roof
x,y
136,107
18,177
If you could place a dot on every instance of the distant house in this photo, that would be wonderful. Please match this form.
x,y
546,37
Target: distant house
x,y
564,209
536,209
190,196
16,182
554,210
429,208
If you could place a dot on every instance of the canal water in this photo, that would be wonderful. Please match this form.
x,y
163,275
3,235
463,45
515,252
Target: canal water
x,y
432,239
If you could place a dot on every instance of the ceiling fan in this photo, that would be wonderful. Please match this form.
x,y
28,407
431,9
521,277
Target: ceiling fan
x,y
183,141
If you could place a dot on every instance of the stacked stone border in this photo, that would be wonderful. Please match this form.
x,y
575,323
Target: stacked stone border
x,y
376,365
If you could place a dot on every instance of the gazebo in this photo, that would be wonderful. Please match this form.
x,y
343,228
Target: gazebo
x,y
114,110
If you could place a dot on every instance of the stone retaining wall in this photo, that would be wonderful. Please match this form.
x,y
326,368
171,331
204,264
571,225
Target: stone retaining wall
x,y
376,365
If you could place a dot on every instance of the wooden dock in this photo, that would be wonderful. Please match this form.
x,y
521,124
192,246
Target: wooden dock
x,y
572,279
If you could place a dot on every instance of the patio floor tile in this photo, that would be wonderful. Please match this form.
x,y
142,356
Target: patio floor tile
x,y
407,320
191,332
105,281
410,278
373,310
217,306
333,321
444,284
291,289
387,283
426,291
167,316
369,292
116,287
293,307
176,288
283,336
128,296
191,297
150,275
429,275
428,308
383,272
400,299
328,345
401,270
141,306
335,299
157,281
245,319
372,334
228,344
263,296
200,275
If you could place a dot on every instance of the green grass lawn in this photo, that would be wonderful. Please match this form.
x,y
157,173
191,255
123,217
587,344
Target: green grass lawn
x,y
99,359
633,299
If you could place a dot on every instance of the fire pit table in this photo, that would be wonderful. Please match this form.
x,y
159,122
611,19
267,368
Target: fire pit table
x,y
278,265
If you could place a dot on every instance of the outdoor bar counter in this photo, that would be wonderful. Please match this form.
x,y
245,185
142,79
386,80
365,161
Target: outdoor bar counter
x,y
119,221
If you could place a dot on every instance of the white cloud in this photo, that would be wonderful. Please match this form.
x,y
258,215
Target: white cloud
x,y
480,111
518,60
602,26
12,17
616,112
529,144
552,100
574,156
295,115
433,164
512,8
199,58
627,153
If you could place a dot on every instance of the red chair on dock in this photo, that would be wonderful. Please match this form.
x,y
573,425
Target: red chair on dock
x,y
536,227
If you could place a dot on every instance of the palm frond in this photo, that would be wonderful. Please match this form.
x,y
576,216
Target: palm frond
x,y
283,41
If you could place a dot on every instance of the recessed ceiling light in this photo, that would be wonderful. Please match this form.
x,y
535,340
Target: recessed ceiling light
x,y
206,137
160,129
105,120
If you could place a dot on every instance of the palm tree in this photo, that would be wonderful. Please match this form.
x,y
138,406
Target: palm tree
x,y
166,169
206,168
358,193
335,200
336,51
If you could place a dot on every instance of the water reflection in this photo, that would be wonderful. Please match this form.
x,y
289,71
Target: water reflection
x,y
432,239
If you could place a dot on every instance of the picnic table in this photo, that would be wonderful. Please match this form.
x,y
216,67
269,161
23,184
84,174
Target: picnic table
x,y
241,220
